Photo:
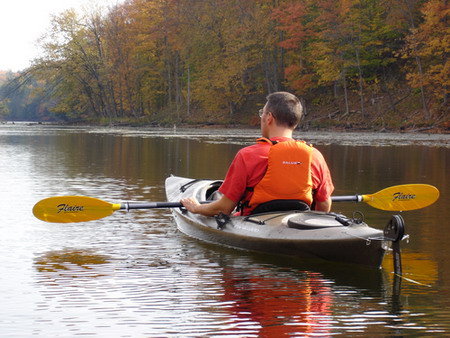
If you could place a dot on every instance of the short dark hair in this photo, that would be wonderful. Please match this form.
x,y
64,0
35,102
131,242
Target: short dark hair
x,y
286,108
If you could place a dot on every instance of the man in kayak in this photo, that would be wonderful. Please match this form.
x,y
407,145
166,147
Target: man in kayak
x,y
275,168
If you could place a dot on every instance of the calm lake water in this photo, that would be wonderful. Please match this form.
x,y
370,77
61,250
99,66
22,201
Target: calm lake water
x,y
134,275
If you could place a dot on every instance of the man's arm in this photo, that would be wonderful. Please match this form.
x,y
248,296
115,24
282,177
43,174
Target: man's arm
x,y
323,206
223,205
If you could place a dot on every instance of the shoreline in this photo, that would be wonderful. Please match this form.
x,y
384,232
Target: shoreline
x,y
241,134
208,125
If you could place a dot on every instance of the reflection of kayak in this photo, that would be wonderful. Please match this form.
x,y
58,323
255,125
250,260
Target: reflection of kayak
x,y
295,233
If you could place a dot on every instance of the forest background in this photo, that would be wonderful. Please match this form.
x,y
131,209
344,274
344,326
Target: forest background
x,y
365,64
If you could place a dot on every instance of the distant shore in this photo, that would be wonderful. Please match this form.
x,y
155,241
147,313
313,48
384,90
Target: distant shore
x,y
209,125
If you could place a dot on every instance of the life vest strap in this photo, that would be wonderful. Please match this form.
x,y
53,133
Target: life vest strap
x,y
266,140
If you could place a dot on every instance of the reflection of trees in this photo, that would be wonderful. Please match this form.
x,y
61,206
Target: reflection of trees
x,y
281,306
151,159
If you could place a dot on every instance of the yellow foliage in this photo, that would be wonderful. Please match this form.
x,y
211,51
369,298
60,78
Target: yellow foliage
x,y
431,42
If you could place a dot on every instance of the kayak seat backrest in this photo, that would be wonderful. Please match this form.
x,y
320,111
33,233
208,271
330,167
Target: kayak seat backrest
x,y
281,205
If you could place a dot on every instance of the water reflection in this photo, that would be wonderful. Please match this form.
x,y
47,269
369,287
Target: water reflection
x,y
419,269
281,306
309,298
69,260
134,274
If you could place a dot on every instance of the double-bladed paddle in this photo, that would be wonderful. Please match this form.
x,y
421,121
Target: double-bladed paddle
x,y
397,198
69,209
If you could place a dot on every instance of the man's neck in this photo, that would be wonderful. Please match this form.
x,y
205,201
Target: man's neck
x,y
280,132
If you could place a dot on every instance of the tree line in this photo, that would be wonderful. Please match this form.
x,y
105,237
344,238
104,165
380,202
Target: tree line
x,y
176,60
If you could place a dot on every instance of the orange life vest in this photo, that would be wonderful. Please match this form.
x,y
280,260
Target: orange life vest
x,y
288,174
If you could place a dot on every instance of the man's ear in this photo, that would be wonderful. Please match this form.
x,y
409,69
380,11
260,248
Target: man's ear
x,y
270,118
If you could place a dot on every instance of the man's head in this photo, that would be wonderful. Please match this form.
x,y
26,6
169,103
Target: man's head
x,y
286,109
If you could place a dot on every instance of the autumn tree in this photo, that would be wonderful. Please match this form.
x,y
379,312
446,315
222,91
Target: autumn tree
x,y
4,110
405,16
71,63
222,45
152,30
295,19
165,59
331,42
430,42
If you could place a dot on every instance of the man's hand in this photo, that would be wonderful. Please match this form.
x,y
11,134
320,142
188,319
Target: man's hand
x,y
191,204
223,205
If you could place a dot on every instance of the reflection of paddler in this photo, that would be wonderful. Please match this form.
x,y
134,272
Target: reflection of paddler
x,y
418,268
282,307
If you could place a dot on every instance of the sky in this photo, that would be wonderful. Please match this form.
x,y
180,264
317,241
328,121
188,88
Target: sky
x,y
22,22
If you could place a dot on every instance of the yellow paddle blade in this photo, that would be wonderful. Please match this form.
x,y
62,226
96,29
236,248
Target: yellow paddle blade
x,y
69,209
403,197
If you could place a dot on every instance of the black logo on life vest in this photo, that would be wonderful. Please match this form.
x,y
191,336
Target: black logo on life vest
x,y
69,208
292,162
399,196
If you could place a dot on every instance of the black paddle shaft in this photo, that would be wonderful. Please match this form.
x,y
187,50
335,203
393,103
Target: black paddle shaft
x,y
350,198
152,205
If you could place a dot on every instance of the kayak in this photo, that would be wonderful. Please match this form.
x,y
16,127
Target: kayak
x,y
295,233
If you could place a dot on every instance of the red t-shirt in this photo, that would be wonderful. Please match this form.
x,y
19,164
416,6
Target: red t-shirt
x,y
250,165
